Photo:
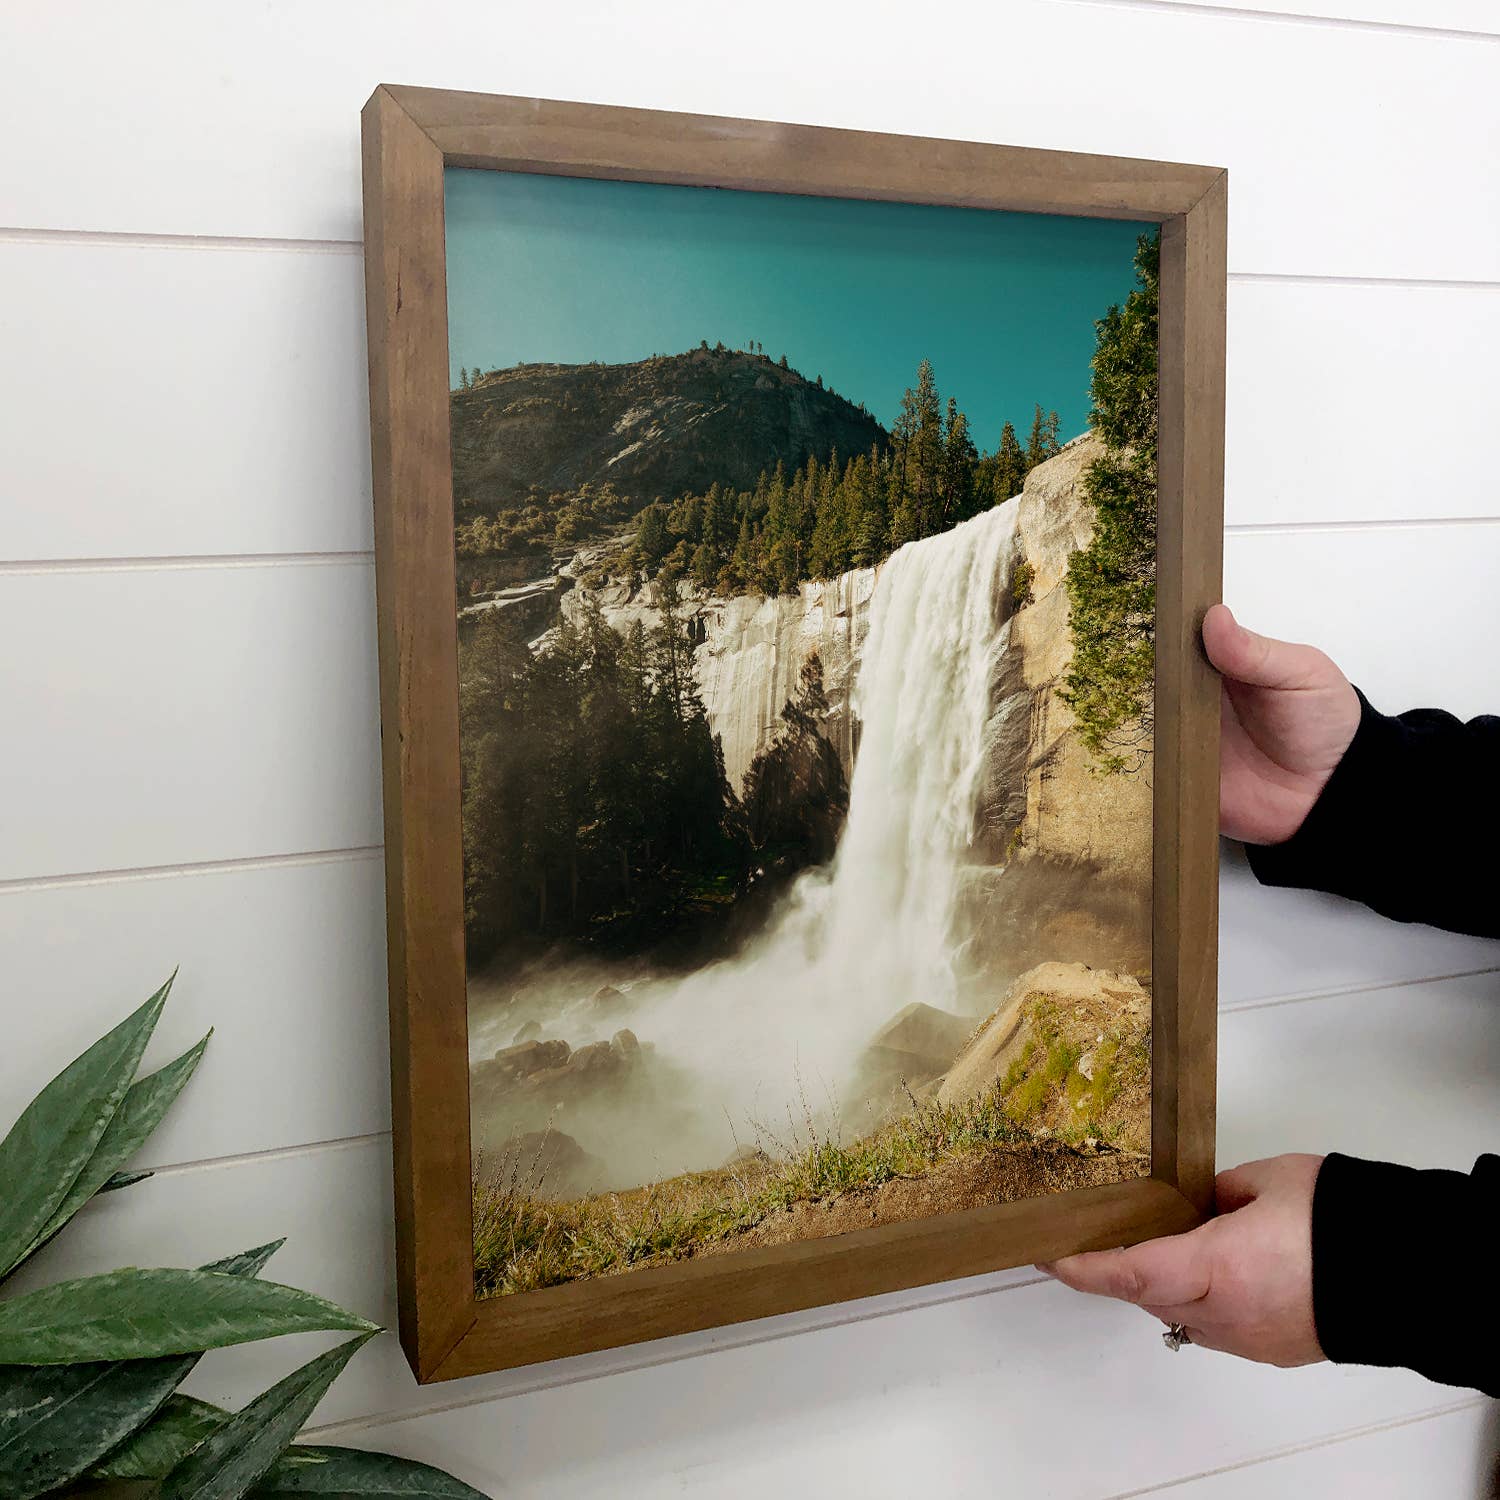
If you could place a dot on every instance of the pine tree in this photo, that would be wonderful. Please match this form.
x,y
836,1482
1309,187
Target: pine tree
x,y
959,457
1010,465
925,461
1042,443
1111,583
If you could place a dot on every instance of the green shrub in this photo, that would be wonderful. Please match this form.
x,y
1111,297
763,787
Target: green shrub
x,y
1021,579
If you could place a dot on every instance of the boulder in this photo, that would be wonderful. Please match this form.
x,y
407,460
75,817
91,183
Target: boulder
x,y
544,1163
585,1067
922,1039
525,1058
607,995
913,1048
597,1057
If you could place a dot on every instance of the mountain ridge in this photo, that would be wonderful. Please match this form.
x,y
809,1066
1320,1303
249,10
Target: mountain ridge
x,y
652,428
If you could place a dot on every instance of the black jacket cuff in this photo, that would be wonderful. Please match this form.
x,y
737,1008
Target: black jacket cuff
x,y
1402,1263
1326,850
1405,823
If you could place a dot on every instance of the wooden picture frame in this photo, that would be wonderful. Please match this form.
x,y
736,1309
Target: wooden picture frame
x,y
410,135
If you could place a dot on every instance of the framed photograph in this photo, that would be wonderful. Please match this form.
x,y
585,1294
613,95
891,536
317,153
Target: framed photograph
x,y
800,766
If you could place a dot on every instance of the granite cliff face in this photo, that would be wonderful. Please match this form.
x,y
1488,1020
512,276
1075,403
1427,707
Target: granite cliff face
x,y
1066,845
654,428
751,651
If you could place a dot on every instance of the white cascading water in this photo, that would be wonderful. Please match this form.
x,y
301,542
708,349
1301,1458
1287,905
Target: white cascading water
x,y
782,1024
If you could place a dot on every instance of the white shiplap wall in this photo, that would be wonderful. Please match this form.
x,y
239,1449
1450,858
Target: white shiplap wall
x,y
188,767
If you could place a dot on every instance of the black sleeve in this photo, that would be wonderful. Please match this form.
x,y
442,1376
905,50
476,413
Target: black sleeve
x,y
1400,1268
1409,824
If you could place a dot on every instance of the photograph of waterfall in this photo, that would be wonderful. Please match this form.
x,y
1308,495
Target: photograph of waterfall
x,y
805,553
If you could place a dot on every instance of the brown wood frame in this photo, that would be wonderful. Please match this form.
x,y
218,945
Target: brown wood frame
x,y
410,136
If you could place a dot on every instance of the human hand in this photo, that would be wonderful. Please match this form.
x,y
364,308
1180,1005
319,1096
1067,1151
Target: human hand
x,y
1288,716
1241,1283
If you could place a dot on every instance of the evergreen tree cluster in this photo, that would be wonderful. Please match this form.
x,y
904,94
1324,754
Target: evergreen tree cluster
x,y
1112,582
594,794
595,802
837,514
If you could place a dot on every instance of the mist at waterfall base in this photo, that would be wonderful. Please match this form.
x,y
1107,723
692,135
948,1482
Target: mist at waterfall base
x,y
763,1047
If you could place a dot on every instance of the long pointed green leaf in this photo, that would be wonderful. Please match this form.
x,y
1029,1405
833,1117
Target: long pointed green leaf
x,y
58,1131
141,1314
141,1110
354,1473
124,1180
162,1444
56,1420
237,1455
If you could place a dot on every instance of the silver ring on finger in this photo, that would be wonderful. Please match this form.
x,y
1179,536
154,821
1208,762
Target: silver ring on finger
x,y
1175,1337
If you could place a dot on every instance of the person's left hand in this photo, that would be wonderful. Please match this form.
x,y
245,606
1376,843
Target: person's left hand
x,y
1242,1282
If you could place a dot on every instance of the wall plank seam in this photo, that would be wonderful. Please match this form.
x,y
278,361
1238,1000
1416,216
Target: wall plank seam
x,y
1345,1435
1288,18
176,871
1341,992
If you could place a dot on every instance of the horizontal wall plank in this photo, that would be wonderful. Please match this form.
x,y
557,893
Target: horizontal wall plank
x,y
168,401
175,715
965,1399
1453,1455
1407,612
244,123
1403,1072
1448,15
286,963
1312,367
1276,943
224,402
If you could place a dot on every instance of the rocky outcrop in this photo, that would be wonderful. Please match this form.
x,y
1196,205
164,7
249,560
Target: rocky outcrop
x,y
1085,998
1071,813
1067,1051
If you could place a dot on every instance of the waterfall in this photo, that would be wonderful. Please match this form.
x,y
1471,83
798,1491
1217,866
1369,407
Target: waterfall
x,y
781,1025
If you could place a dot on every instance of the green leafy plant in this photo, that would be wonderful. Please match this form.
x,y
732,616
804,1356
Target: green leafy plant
x,y
89,1369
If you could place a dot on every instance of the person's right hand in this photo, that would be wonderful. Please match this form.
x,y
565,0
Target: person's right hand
x,y
1288,716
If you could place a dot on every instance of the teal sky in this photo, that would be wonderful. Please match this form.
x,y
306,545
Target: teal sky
x,y
574,269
